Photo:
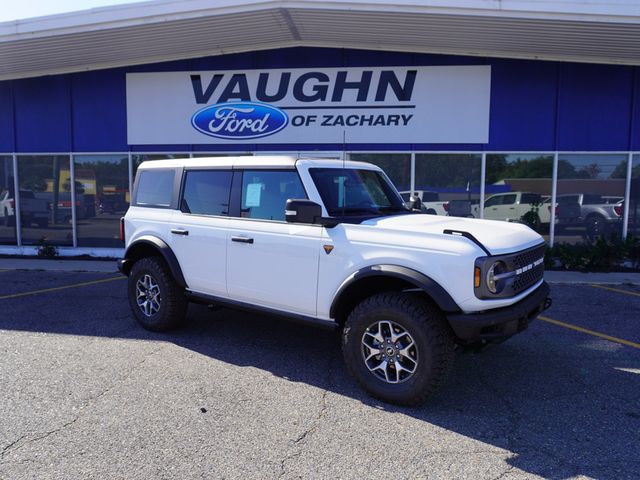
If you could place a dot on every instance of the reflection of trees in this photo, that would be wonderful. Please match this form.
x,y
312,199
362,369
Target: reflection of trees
x,y
621,170
107,173
447,170
498,168
396,166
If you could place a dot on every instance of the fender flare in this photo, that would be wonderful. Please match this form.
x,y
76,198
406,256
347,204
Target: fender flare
x,y
421,281
165,251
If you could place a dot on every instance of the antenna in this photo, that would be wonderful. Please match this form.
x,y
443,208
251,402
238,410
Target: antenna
x,y
344,148
344,166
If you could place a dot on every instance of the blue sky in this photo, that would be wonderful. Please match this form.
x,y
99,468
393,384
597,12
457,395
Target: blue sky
x,y
21,9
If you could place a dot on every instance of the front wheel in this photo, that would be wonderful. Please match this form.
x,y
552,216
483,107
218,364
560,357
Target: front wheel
x,y
398,347
156,300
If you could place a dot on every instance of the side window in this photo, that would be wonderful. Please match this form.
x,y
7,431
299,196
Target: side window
x,y
509,199
530,198
265,193
155,188
493,201
206,192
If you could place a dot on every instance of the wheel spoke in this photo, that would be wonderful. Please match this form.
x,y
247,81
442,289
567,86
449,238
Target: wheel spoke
x,y
373,352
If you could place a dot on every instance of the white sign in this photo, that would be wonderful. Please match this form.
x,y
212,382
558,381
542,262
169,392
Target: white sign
x,y
318,106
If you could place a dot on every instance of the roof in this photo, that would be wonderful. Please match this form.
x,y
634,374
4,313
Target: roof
x,y
255,161
592,31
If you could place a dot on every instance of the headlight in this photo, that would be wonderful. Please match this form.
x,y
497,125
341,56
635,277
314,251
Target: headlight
x,y
493,277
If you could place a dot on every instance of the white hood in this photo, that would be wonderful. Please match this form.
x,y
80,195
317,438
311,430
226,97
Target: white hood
x,y
496,236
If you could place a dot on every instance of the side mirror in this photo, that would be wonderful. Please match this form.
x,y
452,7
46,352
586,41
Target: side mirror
x,y
414,203
302,211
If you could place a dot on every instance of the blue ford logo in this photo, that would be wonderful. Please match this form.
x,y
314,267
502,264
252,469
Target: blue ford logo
x,y
239,121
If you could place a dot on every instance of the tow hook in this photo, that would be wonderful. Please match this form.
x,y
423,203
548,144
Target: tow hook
x,y
547,303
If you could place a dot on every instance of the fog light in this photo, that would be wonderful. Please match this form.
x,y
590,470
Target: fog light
x,y
493,281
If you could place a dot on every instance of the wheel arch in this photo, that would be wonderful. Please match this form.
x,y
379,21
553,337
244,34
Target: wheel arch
x,y
151,246
382,278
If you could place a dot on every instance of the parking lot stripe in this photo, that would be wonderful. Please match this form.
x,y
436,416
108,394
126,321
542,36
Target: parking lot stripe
x,y
54,289
618,290
621,341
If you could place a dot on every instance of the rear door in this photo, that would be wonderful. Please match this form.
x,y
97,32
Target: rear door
x,y
271,263
198,232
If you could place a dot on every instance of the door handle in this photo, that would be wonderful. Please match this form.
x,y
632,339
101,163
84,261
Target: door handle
x,y
179,231
242,239
512,208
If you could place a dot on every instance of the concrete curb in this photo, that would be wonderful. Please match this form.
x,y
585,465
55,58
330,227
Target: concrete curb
x,y
578,278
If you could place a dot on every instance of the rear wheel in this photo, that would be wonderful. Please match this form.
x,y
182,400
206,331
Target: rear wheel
x,y
156,300
398,347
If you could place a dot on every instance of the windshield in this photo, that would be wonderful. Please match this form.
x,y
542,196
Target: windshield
x,y
356,192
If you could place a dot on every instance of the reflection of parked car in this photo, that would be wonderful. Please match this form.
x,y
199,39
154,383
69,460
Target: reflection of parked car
x,y
431,204
596,214
32,209
530,208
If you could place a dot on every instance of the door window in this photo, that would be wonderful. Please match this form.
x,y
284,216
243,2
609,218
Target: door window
x,y
265,193
206,192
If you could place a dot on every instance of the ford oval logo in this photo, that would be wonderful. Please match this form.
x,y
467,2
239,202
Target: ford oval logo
x,y
239,121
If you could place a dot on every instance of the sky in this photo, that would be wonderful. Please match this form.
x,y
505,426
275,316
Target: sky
x,y
21,9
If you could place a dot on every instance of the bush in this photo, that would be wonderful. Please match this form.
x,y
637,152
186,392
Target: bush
x,y
45,249
601,255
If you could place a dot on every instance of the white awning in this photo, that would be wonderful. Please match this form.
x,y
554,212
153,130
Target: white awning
x,y
578,31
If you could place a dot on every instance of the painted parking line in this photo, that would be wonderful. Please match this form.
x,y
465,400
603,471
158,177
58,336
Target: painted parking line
x,y
593,333
617,290
64,287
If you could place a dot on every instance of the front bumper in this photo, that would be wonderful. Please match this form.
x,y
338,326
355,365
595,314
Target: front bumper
x,y
500,323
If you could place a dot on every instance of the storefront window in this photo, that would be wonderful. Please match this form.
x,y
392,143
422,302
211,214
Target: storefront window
x,y
45,200
634,198
7,202
138,158
397,166
102,197
518,189
593,185
449,184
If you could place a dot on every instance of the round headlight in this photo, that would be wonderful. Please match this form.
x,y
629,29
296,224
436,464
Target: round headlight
x,y
493,284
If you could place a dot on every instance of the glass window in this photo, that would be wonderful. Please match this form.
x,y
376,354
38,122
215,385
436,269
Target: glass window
x,y
155,188
265,193
7,202
590,177
356,192
138,158
102,197
45,199
634,199
449,177
206,192
525,175
397,166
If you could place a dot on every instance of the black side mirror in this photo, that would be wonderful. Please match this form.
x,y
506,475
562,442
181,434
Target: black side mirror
x,y
302,211
414,203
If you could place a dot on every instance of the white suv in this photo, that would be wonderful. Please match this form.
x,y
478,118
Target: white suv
x,y
331,242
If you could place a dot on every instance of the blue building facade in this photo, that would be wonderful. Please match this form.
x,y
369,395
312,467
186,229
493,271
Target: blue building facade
x,y
554,128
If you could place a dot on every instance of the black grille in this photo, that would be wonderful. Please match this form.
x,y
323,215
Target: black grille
x,y
528,256
532,276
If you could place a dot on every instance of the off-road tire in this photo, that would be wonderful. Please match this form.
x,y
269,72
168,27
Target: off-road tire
x,y
172,304
426,325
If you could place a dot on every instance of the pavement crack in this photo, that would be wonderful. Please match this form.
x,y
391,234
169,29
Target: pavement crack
x,y
16,445
506,472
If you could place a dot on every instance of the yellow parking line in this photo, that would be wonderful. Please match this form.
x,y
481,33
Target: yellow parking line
x,y
618,290
621,341
54,289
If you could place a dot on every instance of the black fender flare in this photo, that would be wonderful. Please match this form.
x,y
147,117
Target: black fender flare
x,y
421,281
164,250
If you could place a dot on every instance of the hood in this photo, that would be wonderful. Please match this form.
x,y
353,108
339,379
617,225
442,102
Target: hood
x,y
498,237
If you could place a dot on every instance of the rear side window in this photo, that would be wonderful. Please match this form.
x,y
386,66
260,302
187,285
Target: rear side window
x,y
265,193
206,192
530,198
155,188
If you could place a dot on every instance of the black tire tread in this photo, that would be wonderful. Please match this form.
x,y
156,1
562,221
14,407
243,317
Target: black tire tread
x,y
174,301
428,318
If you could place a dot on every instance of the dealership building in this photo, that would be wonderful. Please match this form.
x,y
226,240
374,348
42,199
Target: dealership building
x,y
473,102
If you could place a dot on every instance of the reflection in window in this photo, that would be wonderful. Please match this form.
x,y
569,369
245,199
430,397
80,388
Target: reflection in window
x,y
206,192
102,197
590,187
45,199
517,189
7,202
397,166
449,184
634,198
138,158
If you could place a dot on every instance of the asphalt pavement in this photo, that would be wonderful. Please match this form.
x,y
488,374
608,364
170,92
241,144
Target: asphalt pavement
x,y
87,393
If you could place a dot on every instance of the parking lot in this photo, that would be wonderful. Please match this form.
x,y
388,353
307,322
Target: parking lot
x,y
87,393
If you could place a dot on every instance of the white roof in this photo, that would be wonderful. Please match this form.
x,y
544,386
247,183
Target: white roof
x,y
257,161
597,31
